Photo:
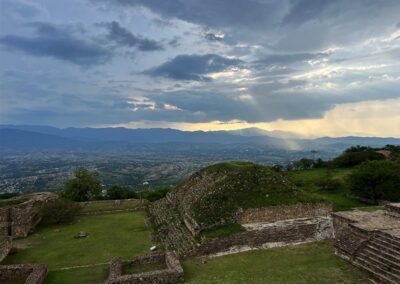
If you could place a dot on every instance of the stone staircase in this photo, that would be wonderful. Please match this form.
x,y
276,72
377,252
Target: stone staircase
x,y
170,228
380,256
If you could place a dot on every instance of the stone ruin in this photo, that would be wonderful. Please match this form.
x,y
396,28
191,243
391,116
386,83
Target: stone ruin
x,y
171,274
19,220
24,273
371,241
264,227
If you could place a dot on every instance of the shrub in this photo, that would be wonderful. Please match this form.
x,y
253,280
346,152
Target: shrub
x,y
153,195
376,180
119,192
59,211
357,155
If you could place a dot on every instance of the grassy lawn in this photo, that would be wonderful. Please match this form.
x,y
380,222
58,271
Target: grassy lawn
x,y
109,205
308,264
119,234
309,180
91,275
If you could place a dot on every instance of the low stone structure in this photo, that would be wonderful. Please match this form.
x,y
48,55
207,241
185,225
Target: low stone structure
x,y
283,212
21,219
265,227
267,235
172,274
5,247
25,273
371,241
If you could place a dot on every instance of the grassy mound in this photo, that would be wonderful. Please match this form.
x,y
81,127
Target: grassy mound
x,y
213,195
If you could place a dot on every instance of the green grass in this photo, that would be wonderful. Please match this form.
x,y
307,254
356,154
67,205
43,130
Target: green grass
x,y
310,182
306,264
11,201
90,275
222,230
119,234
109,205
128,269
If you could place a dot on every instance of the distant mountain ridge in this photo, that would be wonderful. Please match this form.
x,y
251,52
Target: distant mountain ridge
x,y
42,138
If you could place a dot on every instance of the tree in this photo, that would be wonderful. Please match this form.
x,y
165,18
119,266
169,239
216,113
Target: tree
x,y
86,185
376,180
357,155
59,211
119,192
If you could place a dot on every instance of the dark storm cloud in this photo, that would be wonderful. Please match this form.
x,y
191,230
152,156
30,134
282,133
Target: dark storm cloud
x,y
53,41
193,67
124,37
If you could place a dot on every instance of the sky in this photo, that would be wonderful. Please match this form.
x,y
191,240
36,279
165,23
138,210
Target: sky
x,y
311,67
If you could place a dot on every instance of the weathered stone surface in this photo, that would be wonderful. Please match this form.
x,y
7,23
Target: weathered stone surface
x,y
284,212
280,233
21,219
5,247
32,273
173,273
371,241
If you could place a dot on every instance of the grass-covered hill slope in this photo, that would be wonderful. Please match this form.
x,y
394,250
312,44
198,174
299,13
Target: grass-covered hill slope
x,y
213,195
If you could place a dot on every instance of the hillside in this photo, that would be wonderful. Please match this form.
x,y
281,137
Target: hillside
x,y
213,195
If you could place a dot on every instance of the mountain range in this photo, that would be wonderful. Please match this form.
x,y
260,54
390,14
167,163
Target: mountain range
x,y
28,138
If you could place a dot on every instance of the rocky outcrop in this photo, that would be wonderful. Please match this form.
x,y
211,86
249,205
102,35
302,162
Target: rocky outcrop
x,y
5,247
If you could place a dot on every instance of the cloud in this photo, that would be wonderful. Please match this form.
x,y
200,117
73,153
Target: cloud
x,y
302,11
23,9
124,37
287,59
214,37
193,67
57,42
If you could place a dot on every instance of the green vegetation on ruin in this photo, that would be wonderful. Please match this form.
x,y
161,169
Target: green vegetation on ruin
x,y
328,184
313,263
120,234
241,185
11,201
222,230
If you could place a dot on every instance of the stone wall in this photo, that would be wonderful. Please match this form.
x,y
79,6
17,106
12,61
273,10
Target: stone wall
x,y
21,219
31,273
279,233
283,212
348,238
173,273
5,247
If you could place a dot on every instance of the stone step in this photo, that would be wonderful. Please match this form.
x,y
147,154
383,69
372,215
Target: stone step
x,y
385,249
382,254
381,278
388,240
385,246
376,269
384,263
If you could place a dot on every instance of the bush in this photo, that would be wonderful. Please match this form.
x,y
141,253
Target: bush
x,y
376,180
59,211
357,155
8,195
153,195
119,192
